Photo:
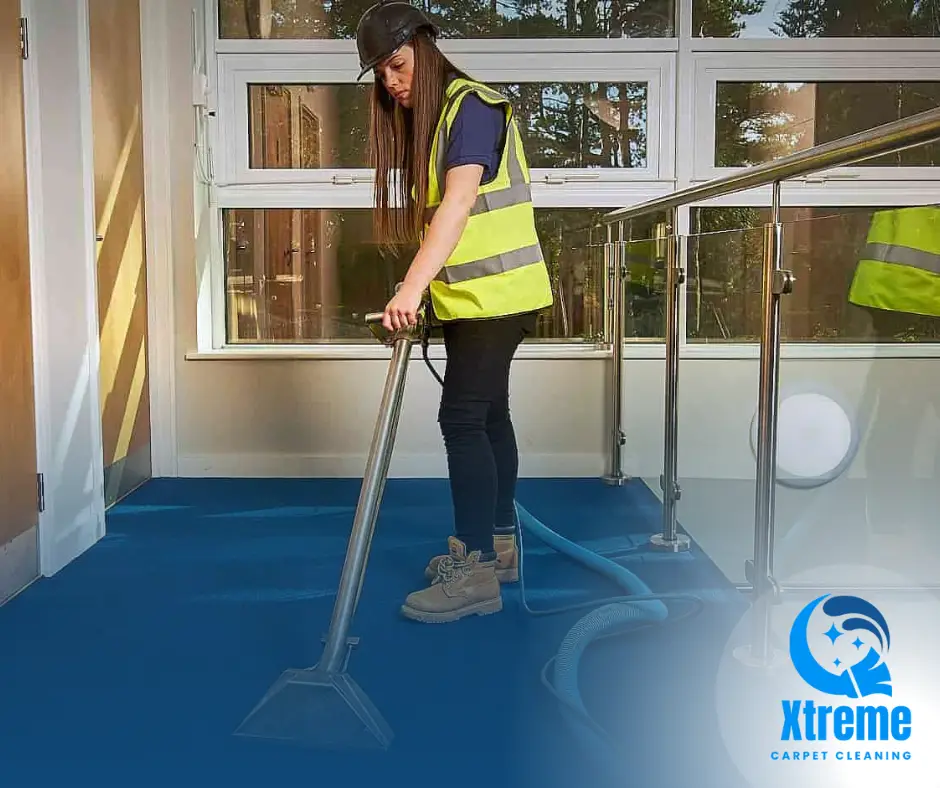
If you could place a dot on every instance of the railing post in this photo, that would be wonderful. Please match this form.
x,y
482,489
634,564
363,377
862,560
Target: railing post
x,y
670,539
614,253
776,283
888,138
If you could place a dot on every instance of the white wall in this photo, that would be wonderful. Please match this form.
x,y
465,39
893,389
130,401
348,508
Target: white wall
x,y
315,418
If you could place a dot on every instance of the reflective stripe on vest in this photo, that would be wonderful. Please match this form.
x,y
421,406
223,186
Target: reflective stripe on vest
x,y
903,255
516,194
498,266
900,266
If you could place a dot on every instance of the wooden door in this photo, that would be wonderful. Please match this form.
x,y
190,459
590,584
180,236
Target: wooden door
x,y
18,498
114,28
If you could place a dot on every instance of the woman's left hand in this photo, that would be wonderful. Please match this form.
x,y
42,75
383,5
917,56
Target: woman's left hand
x,y
402,310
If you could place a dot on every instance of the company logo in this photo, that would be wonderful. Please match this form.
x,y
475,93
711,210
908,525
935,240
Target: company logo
x,y
849,617
839,647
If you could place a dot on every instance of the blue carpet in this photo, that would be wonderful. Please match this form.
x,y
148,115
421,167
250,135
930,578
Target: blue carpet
x,y
134,665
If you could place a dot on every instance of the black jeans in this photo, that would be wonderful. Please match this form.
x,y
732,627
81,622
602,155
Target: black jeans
x,y
482,456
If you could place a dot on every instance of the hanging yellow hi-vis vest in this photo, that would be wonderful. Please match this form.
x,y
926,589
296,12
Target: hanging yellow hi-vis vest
x,y
900,266
497,267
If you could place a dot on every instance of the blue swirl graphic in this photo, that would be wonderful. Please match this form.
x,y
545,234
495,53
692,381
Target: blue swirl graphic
x,y
870,676
853,605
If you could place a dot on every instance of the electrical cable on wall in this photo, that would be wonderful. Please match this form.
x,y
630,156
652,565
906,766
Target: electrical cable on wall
x,y
202,147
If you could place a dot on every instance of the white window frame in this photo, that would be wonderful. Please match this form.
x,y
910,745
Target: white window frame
x,y
800,66
211,327
361,195
233,64
237,71
820,192
452,47
685,64
810,46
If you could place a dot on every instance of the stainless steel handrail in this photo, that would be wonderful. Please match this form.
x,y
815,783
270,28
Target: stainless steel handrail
x,y
888,138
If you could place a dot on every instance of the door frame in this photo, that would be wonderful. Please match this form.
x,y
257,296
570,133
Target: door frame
x,y
158,132
42,181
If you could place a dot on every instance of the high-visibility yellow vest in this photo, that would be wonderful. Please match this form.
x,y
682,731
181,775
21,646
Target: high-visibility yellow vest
x,y
900,266
497,267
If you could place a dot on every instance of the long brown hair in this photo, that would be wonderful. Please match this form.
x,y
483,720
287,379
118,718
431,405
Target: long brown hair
x,y
401,140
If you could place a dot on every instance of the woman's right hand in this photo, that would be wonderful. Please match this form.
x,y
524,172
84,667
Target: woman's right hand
x,y
402,310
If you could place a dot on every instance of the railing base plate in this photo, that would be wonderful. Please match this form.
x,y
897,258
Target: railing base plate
x,y
677,544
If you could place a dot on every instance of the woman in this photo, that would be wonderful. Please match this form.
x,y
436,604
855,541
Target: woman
x,y
464,192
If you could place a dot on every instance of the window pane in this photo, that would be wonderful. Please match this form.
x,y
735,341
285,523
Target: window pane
x,y
563,125
821,247
302,276
308,126
815,18
582,124
573,242
760,121
645,258
456,18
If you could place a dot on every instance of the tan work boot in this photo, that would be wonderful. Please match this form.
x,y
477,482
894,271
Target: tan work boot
x,y
462,586
507,560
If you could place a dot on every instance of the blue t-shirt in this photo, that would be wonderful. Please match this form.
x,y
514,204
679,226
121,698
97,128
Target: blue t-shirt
x,y
476,136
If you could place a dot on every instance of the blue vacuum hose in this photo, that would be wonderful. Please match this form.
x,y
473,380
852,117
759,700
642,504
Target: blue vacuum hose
x,y
638,609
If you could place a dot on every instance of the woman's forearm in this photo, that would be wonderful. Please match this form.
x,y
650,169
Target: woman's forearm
x,y
446,227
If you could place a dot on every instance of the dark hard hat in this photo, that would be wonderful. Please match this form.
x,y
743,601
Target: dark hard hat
x,y
385,28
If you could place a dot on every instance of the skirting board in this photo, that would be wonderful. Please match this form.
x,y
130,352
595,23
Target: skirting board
x,y
19,564
403,466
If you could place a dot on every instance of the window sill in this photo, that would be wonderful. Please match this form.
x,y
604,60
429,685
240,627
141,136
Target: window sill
x,y
579,352
376,352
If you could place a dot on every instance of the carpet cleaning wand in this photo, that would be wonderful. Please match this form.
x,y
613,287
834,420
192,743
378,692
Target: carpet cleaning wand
x,y
322,706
